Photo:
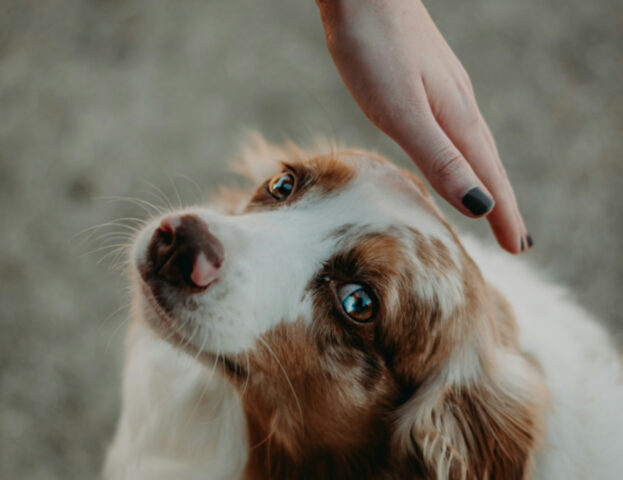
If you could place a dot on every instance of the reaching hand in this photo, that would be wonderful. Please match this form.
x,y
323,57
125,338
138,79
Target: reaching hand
x,y
409,83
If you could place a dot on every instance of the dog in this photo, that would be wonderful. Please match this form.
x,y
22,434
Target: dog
x,y
332,325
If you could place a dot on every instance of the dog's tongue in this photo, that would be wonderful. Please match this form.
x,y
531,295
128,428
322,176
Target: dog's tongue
x,y
203,271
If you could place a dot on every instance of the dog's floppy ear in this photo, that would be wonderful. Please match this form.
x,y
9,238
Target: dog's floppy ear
x,y
259,160
419,183
256,162
480,415
486,430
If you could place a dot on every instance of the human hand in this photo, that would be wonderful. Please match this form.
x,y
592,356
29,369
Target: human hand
x,y
409,83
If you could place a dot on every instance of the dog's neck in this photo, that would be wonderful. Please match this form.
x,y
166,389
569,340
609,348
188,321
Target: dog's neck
x,y
284,444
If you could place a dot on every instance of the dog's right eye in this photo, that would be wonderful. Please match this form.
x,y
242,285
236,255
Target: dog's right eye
x,y
357,302
281,186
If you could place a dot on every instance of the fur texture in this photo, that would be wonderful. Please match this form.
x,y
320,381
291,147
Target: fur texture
x,y
470,367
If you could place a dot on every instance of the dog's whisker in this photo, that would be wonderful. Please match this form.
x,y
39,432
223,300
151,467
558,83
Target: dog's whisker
x,y
120,251
104,248
117,222
170,335
124,321
125,233
283,370
265,439
246,382
125,305
158,201
159,193
96,233
177,194
201,347
176,330
105,240
198,191
173,332
191,337
195,407
148,207
215,364
90,235
112,236
120,264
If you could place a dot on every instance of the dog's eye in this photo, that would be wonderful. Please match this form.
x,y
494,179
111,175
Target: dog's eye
x,y
356,302
281,186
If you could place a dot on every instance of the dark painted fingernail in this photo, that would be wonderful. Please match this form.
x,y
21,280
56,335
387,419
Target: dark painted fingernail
x,y
522,245
530,241
477,201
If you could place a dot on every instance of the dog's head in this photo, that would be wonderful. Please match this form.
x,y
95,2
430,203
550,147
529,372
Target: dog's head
x,y
360,335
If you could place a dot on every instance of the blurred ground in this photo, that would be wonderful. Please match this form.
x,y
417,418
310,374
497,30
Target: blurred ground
x,y
99,97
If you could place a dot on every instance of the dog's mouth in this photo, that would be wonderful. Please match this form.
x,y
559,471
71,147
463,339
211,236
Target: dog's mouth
x,y
170,330
162,321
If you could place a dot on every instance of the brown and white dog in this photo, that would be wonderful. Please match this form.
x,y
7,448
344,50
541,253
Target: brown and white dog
x,y
331,325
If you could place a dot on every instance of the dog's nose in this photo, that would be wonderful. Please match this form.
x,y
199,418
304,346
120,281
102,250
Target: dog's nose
x,y
184,252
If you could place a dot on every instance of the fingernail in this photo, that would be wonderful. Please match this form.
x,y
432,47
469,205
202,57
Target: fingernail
x,y
522,245
530,241
477,201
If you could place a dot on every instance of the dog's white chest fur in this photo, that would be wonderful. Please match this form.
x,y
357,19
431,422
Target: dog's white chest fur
x,y
179,420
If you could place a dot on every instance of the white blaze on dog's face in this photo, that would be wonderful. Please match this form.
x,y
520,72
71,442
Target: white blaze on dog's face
x,y
330,298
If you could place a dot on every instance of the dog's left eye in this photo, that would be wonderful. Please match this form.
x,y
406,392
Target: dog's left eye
x,y
356,301
281,186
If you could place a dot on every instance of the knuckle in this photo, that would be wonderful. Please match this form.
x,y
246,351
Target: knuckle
x,y
445,164
390,116
464,81
464,85
465,93
472,117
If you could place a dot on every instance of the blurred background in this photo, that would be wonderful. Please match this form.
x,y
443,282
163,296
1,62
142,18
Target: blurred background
x,y
107,99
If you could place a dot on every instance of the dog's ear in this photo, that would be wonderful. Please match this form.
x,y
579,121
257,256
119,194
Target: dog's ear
x,y
424,193
256,162
417,181
479,416
259,160
485,430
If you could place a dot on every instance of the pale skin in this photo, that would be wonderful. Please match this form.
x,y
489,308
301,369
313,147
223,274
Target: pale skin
x,y
408,82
